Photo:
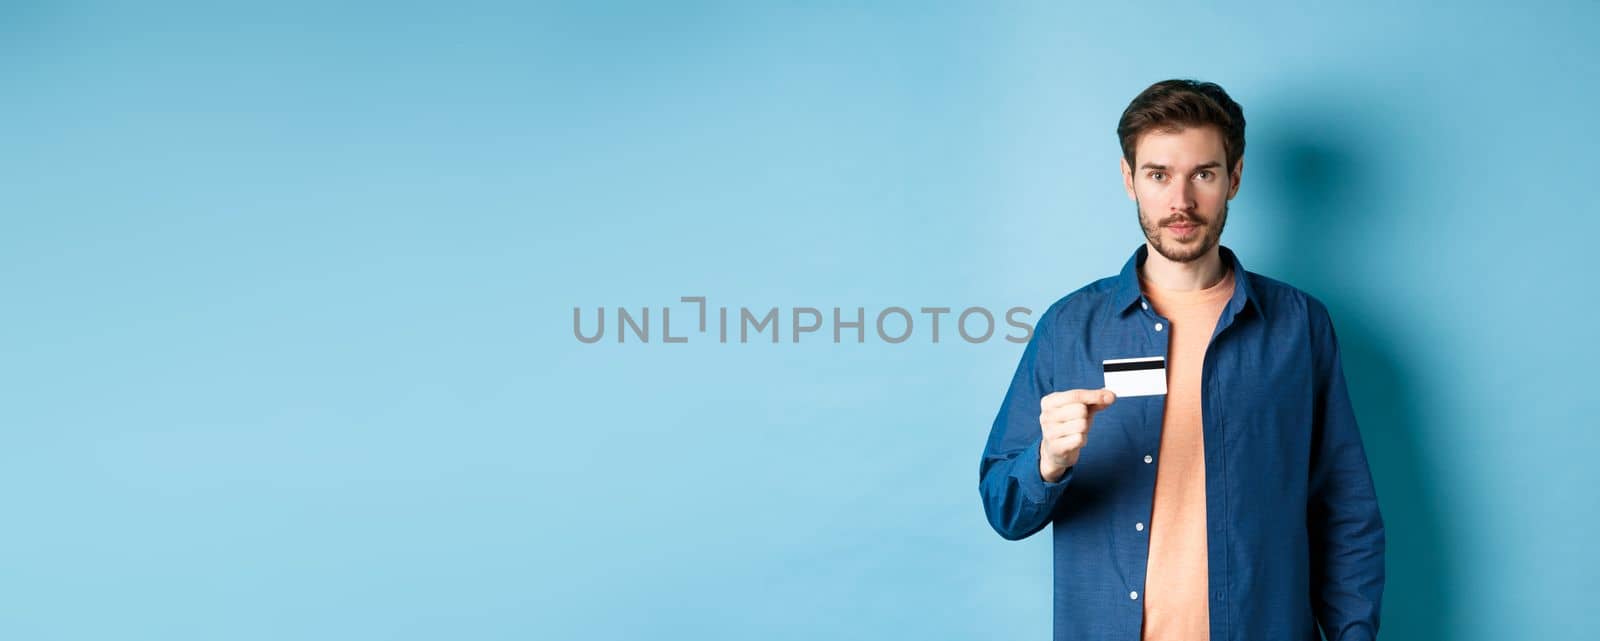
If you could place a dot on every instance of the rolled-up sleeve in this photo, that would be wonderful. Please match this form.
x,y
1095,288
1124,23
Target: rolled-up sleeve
x,y
1342,516
1017,501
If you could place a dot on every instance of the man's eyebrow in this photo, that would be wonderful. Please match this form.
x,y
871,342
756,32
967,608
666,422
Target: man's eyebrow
x,y
1208,165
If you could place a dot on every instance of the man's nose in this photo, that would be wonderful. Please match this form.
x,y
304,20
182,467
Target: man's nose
x,y
1183,198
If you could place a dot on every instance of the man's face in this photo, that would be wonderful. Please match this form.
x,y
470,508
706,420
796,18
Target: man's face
x,y
1181,191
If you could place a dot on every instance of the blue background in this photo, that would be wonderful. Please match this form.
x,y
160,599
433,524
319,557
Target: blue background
x,y
287,344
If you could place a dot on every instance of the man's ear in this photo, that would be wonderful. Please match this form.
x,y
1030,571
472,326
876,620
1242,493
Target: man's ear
x,y
1127,180
1238,172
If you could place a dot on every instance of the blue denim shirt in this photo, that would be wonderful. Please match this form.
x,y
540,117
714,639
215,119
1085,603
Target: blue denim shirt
x,y
1294,537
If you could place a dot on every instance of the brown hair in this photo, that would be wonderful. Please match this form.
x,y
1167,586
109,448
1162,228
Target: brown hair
x,y
1171,105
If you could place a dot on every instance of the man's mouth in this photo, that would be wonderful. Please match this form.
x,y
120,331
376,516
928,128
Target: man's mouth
x,y
1183,229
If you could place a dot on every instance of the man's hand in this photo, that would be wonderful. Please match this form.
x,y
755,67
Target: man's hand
x,y
1065,417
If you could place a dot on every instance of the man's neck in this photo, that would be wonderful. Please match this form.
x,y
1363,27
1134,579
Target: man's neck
x,y
1201,273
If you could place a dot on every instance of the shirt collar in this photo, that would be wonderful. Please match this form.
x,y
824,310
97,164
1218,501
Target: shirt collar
x,y
1128,292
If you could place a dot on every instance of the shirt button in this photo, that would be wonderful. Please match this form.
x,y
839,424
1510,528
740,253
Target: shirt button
x,y
1158,327
1133,595
1218,596
1144,305
1138,526
1148,458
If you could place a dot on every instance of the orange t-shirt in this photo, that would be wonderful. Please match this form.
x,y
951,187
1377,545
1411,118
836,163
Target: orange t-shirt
x,y
1175,604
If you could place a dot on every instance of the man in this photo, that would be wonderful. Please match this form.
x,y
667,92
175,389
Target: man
x,y
1235,505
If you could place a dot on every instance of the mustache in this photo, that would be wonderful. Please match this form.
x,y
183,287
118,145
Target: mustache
x,y
1182,220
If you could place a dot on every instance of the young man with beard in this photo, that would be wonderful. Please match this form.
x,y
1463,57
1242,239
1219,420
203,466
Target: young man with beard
x,y
1230,498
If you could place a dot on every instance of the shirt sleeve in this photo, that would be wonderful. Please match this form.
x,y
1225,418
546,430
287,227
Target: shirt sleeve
x,y
1342,517
1017,501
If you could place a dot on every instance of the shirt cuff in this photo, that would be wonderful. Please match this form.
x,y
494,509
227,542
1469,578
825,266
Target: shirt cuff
x,y
1034,487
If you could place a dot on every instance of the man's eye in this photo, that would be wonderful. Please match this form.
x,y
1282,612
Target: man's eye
x,y
1206,174
1156,175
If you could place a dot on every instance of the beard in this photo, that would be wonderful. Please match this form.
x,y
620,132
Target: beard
x,y
1210,233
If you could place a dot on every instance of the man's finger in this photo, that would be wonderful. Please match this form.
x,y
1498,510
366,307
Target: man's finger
x,y
1080,396
1055,399
1070,410
1100,399
1074,426
1072,440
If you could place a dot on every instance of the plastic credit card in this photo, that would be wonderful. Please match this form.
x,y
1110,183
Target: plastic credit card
x,y
1146,376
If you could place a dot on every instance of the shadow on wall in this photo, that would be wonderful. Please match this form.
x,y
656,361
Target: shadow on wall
x,y
1322,171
